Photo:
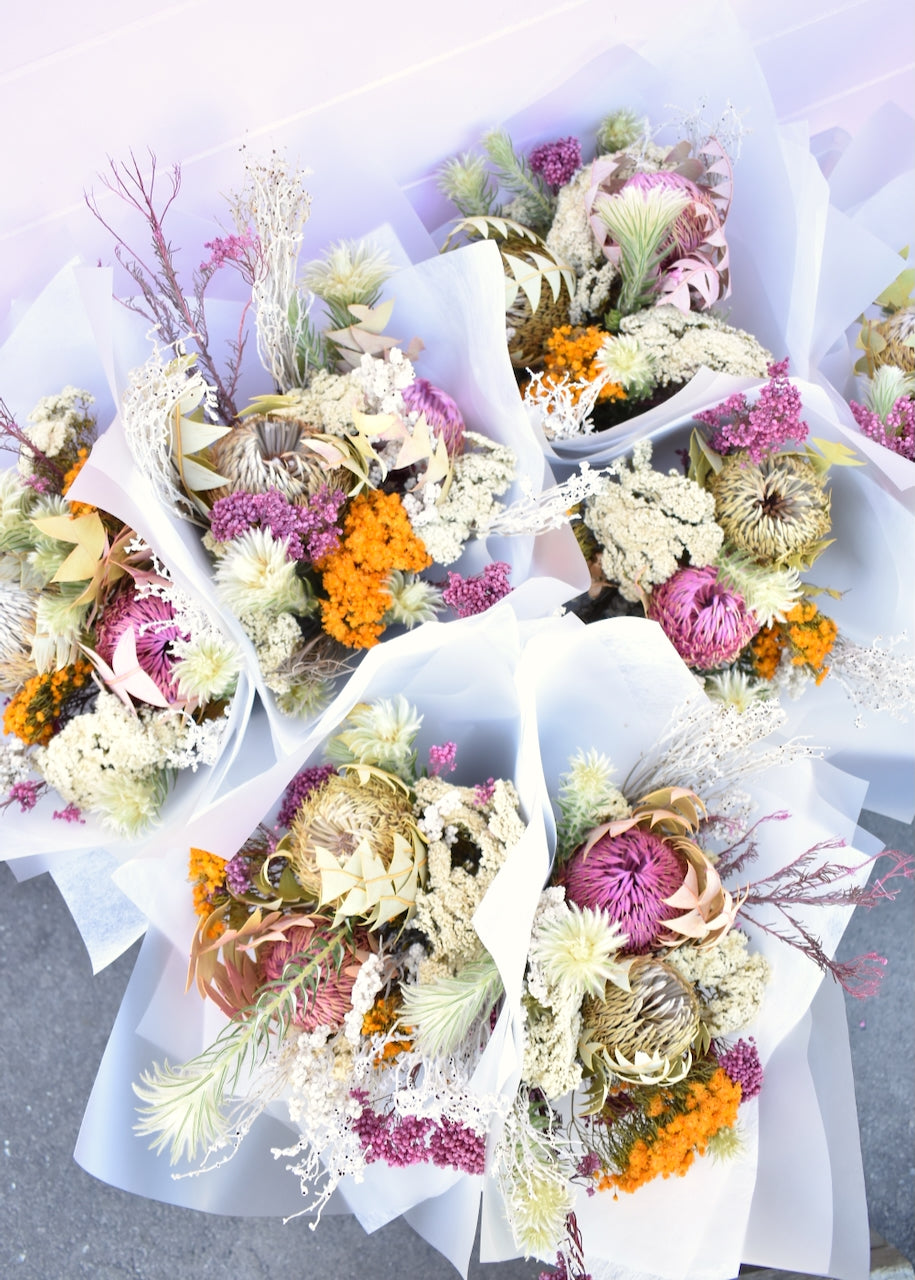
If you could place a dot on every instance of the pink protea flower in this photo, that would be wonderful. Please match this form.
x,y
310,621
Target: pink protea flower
x,y
707,623
152,620
330,963
439,410
629,876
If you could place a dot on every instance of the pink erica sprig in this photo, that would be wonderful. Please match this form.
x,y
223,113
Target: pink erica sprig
x,y
164,301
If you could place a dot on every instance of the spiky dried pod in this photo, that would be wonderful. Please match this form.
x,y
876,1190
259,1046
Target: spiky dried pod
x,y
776,510
271,452
658,1017
354,845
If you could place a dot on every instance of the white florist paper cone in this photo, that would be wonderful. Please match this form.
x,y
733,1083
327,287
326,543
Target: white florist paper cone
x,y
461,679
713,1212
453,305
702,63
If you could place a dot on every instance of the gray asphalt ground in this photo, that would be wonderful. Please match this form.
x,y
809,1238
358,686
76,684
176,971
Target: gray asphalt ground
x,y
58,1223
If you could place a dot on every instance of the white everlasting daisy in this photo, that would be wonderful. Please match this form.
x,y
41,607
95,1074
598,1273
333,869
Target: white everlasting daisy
x,y
577,949
255,575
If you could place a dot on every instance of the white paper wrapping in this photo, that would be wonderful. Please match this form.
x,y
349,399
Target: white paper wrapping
x,y
522,712
785,252
713,1215
868,562
454,305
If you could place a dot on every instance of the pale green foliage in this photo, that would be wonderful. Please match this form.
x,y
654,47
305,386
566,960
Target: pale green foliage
x,y
380,734
187,1108
586,797
465,181
619,130
639,222
533,205
442,1012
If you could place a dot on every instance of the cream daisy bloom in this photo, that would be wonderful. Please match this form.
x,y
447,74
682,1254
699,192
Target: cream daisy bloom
x,y
255,575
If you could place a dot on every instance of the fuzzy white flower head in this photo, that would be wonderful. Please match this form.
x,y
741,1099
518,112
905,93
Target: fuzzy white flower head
x,y
205,666
128,803
736,688
578,950
769,591
412,599
255,575
352,271
626,361
378,733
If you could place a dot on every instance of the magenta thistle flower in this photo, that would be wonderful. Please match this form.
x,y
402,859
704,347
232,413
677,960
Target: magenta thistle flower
x,y
707,623
467,596
742,1065
152,620
556,161
629,876
439,410
325,996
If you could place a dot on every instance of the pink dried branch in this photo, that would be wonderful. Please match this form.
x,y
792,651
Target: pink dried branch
x,y
162,299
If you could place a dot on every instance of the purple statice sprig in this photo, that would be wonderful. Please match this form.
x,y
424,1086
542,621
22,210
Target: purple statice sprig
x,y
26,794
760,428
741,1064
70,813
310,530
556,162
405,1140
467,596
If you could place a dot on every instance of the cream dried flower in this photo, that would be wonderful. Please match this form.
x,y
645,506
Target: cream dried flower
x,y
255,574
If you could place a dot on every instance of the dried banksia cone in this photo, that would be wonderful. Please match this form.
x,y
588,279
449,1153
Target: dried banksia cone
x,y
776,510
17,628
538,287
261,453
354,845
644,1033
897,332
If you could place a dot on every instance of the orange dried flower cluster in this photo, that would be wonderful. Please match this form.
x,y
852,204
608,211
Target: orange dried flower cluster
x,y
809,636
77,508
206,872
571,351
33,712
377,538
711,1106
379,1020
